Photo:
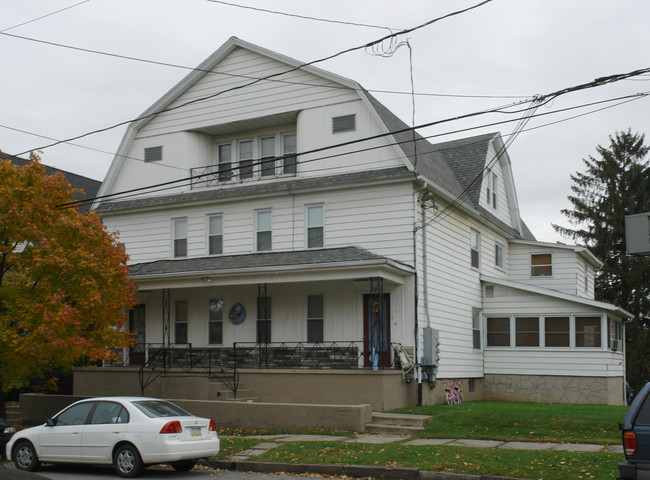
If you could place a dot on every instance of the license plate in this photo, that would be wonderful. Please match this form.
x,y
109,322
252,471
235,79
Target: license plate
x,y
195,431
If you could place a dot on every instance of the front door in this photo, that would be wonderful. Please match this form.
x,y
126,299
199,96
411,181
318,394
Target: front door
x,y
376,331
137,326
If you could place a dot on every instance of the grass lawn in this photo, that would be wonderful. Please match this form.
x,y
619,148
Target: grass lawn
x,y
232,446
507,421
476,461
512,421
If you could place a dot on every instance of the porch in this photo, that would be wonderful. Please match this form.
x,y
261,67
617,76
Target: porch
x,y
224,365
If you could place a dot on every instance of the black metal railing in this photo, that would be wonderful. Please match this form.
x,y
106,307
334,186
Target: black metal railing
x,y
349,355
224,363
215,362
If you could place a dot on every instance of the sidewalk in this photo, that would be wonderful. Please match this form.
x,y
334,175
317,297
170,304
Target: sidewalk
x,y
245,460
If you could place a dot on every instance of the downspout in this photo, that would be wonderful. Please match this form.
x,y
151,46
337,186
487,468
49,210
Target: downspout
x,y
426,197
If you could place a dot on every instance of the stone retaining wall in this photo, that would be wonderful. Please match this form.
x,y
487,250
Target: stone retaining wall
x,y
555,389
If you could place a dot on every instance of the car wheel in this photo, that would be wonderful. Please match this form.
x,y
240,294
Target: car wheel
x,y
183,465
25,458
127,461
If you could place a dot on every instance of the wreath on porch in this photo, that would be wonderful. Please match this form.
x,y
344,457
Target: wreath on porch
x,y
237,313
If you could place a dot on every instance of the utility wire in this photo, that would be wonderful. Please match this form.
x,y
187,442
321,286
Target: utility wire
x,y
78,145
194,179
44,16
273,75
237,75
304,17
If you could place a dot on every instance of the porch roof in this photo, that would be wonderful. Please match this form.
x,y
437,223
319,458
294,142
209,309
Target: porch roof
x,y
272,267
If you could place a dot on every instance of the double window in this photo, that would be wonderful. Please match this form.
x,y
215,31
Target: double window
x,y
258,157
549,331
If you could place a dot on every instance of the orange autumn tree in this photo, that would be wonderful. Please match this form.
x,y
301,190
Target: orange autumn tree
x,y
64,290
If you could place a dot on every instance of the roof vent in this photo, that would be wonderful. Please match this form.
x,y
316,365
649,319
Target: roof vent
x,y
153,154
345,123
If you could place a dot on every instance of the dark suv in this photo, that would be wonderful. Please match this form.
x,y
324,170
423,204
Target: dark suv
x,y
636,438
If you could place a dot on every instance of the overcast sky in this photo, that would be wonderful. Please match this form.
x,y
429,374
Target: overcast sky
x,y
500,53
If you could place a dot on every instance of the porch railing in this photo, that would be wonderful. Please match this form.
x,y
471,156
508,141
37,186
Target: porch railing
x,y
335,355
215,362
224,363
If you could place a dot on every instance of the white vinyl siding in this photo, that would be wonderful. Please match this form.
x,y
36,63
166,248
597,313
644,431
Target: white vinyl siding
x,y
567,269
299,90
554,356
377,218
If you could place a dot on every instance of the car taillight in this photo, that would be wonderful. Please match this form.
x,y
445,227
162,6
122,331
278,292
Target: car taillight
x,y
172,427
629,443
213,426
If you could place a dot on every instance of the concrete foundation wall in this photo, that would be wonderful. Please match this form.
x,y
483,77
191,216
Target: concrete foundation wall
x,y
37,408
383,389
555,389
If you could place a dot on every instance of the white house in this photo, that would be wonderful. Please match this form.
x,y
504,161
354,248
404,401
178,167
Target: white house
x,y
293,222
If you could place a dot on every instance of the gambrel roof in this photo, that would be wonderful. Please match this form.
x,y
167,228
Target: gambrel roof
x,y
453,169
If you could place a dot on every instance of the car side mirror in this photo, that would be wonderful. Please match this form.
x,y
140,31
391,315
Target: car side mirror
x,y
50,422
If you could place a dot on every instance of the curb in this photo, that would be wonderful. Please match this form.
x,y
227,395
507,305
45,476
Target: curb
x,y
356,471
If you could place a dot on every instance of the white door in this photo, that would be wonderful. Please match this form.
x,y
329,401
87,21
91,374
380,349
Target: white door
x,y
62,441
106,427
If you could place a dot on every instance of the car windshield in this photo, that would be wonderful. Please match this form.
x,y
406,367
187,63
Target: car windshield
x,y
159,408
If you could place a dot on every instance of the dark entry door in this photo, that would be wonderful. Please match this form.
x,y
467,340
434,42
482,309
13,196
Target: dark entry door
x,y
137,326
376,329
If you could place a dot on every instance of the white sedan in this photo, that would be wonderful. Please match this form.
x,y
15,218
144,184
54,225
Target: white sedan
x,y
127,432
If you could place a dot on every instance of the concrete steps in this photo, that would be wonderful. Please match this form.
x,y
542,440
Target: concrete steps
x,y
396,423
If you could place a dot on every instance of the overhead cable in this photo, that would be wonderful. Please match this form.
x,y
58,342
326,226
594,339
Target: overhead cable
x,y
270,76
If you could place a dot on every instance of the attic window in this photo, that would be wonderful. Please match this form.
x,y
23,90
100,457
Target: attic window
x,y
153,154
345,123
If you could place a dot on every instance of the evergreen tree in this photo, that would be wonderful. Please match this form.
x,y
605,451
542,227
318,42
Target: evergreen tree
x,y
613,185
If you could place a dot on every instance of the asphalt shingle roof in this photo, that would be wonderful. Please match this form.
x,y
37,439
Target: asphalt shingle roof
x,y
326,256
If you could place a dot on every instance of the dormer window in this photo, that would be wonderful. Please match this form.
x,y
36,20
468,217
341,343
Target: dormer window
x,y
261,157
224,161
267,150
245,149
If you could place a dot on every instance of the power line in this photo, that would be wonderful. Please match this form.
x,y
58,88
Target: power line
x,y
459,198
270,76
44,16
85,146
304,17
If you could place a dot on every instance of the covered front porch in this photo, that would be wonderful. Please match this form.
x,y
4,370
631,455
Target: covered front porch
x,y
328,309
